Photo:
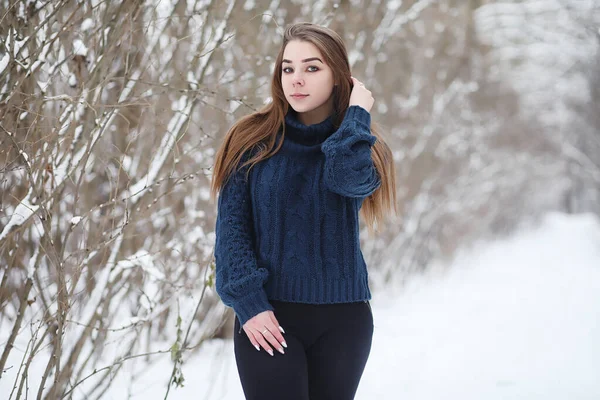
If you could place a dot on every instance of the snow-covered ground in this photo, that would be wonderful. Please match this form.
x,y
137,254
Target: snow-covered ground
x,y
514,319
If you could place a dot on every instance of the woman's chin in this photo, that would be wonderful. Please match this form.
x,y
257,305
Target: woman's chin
x,y
301,108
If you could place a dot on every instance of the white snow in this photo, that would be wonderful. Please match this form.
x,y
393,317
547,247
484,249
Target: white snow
x,y
79,47
24,155
75,220
31,266
87,24
22,212
516,319
513,319
393,5
21,12
4,62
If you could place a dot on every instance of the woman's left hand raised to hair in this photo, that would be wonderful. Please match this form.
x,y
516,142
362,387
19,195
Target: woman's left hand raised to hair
x,y
361,96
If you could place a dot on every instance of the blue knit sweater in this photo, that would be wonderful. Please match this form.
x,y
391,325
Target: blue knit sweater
x,y
291,231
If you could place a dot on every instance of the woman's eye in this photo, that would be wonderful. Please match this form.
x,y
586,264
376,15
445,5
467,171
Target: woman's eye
x,y
288,70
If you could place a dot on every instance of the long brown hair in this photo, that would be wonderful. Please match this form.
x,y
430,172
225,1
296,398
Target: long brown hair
x,y
258,131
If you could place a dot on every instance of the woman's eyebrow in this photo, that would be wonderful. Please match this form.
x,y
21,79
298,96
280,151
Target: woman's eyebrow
x,y
305,60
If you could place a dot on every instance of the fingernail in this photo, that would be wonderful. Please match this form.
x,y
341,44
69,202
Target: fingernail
x,y
281,350
270,352
281,329
284,344
257,348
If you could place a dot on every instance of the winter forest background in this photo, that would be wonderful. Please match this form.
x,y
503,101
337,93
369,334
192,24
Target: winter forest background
x,y
111,112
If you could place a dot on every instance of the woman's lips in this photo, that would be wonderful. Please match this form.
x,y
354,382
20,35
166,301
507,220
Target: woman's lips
x,y
299,97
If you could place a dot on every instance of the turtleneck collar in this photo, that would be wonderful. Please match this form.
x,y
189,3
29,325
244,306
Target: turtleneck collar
x,y
307,135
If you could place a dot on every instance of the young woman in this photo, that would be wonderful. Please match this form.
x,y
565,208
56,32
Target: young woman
x,y
293,178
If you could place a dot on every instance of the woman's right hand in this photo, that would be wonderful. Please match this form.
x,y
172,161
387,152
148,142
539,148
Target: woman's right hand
x,y
360,95
263,329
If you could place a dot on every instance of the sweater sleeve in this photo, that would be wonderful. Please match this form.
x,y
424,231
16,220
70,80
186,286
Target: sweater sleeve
x,y
349,169
239,280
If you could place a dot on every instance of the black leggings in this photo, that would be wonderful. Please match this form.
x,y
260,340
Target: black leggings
x,y
328,348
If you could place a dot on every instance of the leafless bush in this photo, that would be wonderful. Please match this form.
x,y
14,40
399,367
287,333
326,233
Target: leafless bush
x,y
106,251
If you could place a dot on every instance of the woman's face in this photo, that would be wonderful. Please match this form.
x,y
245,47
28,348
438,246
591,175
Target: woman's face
x,y
304,73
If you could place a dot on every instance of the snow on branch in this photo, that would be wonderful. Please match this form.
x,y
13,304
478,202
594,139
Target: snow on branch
x,y
24,210
393,22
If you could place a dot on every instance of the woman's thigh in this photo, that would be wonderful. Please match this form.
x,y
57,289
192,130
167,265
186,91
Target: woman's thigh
x,y
336,361
266,377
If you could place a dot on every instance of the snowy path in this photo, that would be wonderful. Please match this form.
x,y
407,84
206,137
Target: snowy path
x,y
518,319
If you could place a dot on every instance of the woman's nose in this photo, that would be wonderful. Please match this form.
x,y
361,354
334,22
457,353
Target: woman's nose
x,y
298,80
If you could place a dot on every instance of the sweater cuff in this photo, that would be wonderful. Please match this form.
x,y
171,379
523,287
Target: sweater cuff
x,y
358,114
251,305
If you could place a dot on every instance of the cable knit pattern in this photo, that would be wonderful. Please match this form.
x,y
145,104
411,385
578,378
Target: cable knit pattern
x,y
349,168
239,281
291,232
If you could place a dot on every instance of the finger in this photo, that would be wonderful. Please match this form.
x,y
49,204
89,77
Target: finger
x,y
277,333
275,322
252,339
261,340
270,336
